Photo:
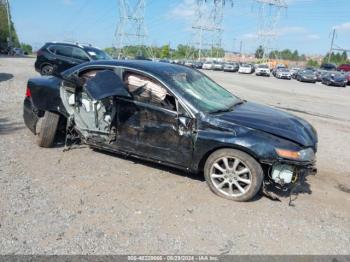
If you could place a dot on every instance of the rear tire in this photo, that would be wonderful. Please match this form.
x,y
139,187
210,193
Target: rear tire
x,y
225,175
47,70
48,128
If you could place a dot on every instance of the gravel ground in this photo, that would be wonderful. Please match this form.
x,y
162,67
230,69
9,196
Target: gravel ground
x,y
88,202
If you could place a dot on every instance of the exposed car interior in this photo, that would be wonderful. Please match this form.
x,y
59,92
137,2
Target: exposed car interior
x,y
148,90
92,104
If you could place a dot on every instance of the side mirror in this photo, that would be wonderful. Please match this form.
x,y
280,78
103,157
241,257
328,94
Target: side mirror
x,y
184,121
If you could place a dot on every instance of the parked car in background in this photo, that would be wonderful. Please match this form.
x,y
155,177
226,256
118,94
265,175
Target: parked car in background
x,y
176,116
262,70
344,67
164,60
294,71
319,74
197,65
231,67
335,79
245,69
306,75
189,63
283,73
328,67
279,66
348,78
310,68
218,66
17,51
208,66
57,57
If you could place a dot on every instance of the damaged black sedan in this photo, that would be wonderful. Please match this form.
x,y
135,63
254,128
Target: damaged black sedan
x,y
176,116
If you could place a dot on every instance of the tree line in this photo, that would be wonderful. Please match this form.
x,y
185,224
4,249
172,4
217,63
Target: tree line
x,y
286,54
5,34
165,52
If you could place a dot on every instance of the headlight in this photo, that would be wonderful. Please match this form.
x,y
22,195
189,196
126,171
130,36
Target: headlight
x,y
307,154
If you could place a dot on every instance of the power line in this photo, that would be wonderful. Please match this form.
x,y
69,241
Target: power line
x,y
131,29
331,49
269,15
207,27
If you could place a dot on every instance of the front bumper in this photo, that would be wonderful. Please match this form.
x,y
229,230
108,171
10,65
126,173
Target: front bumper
x,y
284,77
262,73
338,83
310,80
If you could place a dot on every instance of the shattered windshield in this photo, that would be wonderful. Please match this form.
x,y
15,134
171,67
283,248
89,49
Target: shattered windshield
x,y
97,54
203,93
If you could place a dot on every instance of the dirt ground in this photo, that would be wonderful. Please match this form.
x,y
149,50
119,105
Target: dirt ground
x,y
88,202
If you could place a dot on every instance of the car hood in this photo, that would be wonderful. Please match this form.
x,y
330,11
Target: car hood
x,y
273,121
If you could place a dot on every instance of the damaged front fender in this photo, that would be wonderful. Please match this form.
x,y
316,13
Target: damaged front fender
x,y
213,134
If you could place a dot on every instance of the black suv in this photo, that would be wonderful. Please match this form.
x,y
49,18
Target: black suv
x,y
57,57
328,67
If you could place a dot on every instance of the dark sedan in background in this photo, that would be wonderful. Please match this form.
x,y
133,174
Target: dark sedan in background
x,y
328,67
335,79
306,75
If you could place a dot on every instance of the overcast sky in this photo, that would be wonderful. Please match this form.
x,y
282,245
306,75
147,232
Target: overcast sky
x,y
306,25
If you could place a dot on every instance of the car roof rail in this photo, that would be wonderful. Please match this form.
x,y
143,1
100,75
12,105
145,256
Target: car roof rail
x,y
72,43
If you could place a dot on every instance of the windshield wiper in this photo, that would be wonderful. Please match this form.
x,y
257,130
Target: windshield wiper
x,y
239,102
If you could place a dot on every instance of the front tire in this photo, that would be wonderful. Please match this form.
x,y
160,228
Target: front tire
x,y
233,174
48,129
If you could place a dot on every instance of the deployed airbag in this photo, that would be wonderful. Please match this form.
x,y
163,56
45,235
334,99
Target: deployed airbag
x,y
105,84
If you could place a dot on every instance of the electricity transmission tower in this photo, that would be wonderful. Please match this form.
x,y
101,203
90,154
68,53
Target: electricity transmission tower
x,y
335,47
131,30
207,27
269,13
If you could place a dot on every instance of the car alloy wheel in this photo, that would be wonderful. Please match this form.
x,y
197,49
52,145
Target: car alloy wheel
x,y
233,174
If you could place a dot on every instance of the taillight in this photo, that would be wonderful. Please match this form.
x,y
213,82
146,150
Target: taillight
x,y
28,94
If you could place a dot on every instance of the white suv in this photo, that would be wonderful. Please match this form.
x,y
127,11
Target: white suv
x,y
208,66
262,70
